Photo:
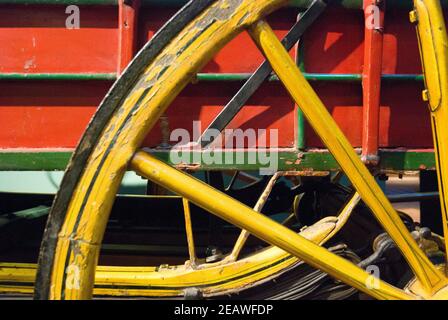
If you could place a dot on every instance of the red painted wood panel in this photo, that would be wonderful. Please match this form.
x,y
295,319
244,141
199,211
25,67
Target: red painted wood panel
x,y
54,114
35,40
239,56
46,114
270,109
344,101
30,119
335,43
337,47
401,53
405,118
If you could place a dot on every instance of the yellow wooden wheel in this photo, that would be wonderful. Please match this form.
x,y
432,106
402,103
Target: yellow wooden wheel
x,y
111,145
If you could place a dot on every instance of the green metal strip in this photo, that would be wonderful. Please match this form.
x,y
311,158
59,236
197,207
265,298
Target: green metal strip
x,y
358,4
63,2
349,4
301,121
333,77
312,77
224,77
303,4
287,160
403,77
58,76
28,214
411,160
34,161
206,77
164,3
358,77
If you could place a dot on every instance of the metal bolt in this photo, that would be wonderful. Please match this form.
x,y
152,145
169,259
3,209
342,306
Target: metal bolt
x,y
413,17
425,95
192,294
425,233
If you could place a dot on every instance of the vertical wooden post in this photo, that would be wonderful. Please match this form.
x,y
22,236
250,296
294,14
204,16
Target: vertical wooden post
x,y
371,79
127,30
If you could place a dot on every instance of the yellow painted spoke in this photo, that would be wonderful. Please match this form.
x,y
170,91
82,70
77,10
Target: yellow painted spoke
x,y
431,278
244,235
344,215
257,224
431,30
189,232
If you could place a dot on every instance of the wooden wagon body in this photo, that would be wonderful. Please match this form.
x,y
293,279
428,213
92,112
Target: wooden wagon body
x,y
53,78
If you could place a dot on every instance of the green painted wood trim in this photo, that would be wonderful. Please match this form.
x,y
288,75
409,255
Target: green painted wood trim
x,y
63,2
403,77
224,77
349,4
411,160
34,161
287,160
301,120
358,4
205,77
312,77
333,77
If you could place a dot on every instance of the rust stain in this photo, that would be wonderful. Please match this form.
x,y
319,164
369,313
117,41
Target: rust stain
x,y
188,167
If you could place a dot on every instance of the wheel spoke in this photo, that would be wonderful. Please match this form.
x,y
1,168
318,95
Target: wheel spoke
x,y
432,36
257,224
189,232
344,215
431,278
256,80
78,219
244,235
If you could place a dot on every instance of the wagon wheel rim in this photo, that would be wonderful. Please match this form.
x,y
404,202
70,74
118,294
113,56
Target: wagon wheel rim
x,y
72,239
